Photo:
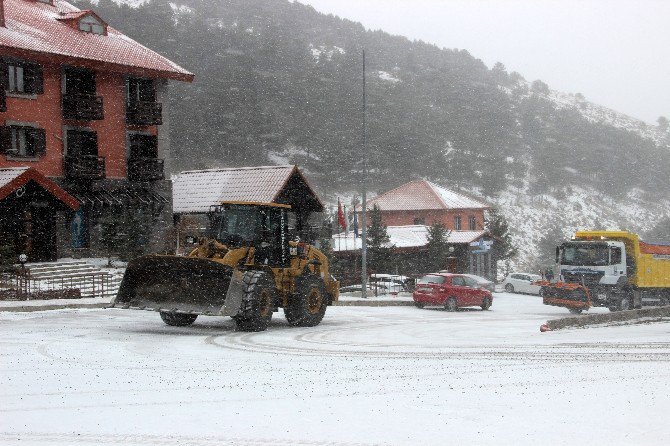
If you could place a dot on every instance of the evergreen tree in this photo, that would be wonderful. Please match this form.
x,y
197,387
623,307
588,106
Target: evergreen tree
x,y
503,248
547,247
437,248
380,254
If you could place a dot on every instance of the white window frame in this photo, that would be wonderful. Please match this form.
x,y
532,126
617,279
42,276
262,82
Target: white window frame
x,y
90,24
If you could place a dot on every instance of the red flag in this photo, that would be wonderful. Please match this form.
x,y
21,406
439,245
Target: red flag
x,y
340,215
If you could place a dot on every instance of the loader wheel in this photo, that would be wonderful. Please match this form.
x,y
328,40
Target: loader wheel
x,y
575,310
178,319
308,305
258,302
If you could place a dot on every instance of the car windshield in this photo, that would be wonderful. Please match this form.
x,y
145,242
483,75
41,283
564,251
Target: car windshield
x,y
431,279
585,254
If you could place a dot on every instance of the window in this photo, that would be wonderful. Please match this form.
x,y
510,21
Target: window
x,y
458,281
81,143
21,77
22,141
90,24
472,223
457,222
143,146
140,90
79,81
419,221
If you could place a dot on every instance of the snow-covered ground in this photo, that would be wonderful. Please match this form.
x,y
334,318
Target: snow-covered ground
x,y
389,375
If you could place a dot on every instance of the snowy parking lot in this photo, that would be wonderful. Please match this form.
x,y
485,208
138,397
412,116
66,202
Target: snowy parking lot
x,y
365,376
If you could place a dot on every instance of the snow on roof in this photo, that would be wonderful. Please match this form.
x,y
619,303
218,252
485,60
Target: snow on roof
x,y
8,174
411,236
39,27
196,190
424,195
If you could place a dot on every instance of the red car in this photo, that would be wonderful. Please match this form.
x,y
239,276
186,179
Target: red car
x,y
451,291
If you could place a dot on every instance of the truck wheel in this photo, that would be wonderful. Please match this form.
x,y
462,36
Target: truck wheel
x,y
450,304
509,288
307,305
486,303
178,319
575,310
257,303
623,304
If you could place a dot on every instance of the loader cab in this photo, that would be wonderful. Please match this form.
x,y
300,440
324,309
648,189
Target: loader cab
x,y
263,226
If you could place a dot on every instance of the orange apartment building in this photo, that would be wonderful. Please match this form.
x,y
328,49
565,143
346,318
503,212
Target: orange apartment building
x,y
83,132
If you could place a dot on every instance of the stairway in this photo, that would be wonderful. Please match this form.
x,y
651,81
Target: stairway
x,y
71,279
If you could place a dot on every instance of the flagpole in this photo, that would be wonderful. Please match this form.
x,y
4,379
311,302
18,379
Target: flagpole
x,y
364,204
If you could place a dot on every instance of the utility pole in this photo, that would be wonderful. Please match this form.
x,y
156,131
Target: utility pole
x,y
364,204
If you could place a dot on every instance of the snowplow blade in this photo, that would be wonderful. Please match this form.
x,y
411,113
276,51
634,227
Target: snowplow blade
x,y
175,284
567,295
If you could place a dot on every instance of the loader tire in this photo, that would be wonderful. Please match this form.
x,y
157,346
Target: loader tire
x,y
258,302
308,305
178,319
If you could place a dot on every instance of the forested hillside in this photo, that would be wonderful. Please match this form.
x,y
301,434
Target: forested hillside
x,y
277,81
275,77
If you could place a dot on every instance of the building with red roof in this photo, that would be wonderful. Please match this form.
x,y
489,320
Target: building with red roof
x,y
80,104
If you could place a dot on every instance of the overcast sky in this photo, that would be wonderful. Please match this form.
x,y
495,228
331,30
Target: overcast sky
x,y
614,52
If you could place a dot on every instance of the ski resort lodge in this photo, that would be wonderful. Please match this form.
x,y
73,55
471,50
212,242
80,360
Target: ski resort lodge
x,y
83,129
409,210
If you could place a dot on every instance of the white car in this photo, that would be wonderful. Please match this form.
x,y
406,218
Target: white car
x,y
521,283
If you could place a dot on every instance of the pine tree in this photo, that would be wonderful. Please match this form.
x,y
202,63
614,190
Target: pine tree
x,y
380,254
437,247
503,248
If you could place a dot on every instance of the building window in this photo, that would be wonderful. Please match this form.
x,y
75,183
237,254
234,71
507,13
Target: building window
x,y
22,141
81,143
419,221
21,77
78,81
472,223
90,24
140,90
457,223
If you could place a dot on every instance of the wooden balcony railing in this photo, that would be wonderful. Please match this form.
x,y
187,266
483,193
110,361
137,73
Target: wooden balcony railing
x,y
145,169
82,107
144,113
87,167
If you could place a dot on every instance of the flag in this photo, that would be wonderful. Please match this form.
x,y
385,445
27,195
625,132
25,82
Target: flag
x,y
355,223
340,216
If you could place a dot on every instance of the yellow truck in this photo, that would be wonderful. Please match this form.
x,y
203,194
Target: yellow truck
x,y
613,269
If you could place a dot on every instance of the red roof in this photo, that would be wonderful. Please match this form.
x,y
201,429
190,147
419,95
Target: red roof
x,y
424,195
13,178
35,27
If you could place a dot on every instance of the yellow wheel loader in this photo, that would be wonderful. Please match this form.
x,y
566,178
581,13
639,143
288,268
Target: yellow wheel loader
x,y
247,268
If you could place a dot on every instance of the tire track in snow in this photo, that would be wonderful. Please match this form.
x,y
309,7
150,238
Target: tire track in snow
x,y
160,440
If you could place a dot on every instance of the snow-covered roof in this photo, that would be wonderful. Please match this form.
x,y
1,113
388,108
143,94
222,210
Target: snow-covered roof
x,y
412,236
8,174
424,195
40,27
196,190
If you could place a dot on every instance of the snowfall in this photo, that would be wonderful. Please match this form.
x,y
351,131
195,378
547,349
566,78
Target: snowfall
x,y
364,376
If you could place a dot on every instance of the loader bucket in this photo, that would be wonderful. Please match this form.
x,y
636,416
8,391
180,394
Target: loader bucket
x,y
174,284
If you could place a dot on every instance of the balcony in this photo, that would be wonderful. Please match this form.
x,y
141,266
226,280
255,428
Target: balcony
x,y
145,169
82,107
86,167
144,113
